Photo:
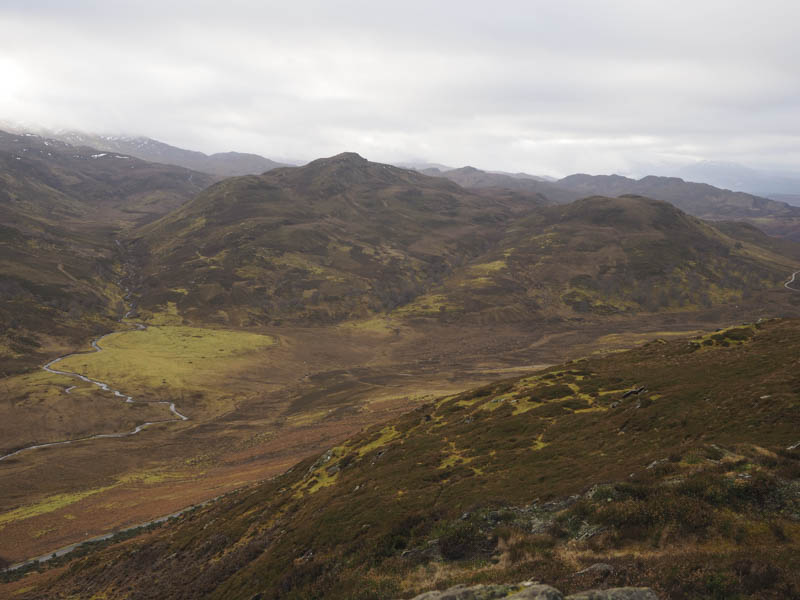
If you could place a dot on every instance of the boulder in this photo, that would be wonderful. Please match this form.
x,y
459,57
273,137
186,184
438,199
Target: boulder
x,y
624,593
523,591
534,591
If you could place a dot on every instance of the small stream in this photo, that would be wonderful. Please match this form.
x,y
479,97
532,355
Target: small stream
x,y
178,416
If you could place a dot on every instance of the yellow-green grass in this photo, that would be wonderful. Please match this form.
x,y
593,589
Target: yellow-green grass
x,y
387,434
428,304
381,325
174,359
57,502
37,410
47,505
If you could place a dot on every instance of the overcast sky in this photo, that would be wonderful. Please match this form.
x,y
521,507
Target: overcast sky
x,y
548,87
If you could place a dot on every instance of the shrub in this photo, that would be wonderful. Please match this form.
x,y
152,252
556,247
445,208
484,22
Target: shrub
x,y
461,539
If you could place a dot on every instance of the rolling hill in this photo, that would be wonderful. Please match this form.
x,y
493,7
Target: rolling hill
x,y
600,257
675,465
344,238
698,199
41,174
773,216
472,178
339,238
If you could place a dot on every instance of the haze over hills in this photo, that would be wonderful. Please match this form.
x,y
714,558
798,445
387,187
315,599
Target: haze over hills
x,y
699,199
743,179
774,216
222,164
106,181
472,178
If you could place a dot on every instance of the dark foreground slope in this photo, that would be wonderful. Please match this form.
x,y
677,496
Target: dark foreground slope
x,y
675,464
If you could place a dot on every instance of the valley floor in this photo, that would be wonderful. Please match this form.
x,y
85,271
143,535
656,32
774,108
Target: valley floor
x,y
257,402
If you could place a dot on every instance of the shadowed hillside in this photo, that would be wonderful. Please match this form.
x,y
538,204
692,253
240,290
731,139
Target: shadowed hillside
x,y
698,199
60,208
345,238
339,238
600,257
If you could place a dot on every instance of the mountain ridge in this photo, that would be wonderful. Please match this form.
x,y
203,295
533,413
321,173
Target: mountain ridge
x,y
221,164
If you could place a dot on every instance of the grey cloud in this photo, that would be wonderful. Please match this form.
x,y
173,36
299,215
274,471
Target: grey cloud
x,y
538,86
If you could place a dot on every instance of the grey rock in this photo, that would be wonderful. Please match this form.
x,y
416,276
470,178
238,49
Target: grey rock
x,y
463,592
534,591
491,592
624,593
537,592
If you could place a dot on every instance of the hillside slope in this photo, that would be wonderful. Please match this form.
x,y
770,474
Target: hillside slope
x,y
675,465
60,209
600,257
339,238
699,199
38,171
344,238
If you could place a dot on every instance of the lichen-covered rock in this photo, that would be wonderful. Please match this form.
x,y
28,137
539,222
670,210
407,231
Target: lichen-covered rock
x,y
624,593
522,591
534,591
537,592
475,592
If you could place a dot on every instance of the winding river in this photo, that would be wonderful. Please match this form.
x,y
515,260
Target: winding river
x,y
178,416
788,284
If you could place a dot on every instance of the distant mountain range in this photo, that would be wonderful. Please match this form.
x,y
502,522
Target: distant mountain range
x,y
222,164
737,177
775,216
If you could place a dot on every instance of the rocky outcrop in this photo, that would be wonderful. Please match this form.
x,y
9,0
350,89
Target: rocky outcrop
x,y
624,593
534,591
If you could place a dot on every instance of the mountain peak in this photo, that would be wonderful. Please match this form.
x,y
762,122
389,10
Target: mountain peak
x,y
351,158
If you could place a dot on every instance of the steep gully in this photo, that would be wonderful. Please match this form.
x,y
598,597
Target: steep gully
x,y
130,307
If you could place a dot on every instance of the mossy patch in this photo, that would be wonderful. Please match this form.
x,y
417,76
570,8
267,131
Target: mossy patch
x,y
173,356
